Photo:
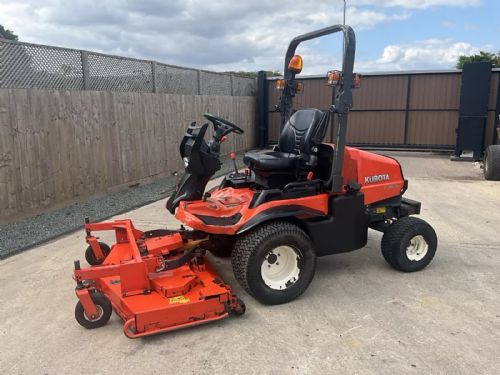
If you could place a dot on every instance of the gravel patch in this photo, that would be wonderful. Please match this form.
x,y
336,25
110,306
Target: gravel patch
x,y
24,234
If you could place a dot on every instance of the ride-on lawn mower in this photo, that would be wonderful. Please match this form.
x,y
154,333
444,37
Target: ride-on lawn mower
x,y
304,198
299,201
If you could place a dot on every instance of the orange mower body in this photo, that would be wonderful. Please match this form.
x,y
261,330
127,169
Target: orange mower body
x,y
229,211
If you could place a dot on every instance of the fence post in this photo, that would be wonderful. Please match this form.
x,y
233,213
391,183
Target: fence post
x,y
407,111
262,108
85,69
198,78
231,83
153,74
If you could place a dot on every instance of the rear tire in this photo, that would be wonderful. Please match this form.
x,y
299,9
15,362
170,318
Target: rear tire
x,y
491,167
409,244
256,261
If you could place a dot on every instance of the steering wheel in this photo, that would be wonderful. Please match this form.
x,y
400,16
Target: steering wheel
x,y
222,127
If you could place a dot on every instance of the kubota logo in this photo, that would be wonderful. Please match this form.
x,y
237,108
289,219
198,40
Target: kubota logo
x,y
377,178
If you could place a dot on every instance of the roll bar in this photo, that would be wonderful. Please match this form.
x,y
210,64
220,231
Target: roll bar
x,y
343,99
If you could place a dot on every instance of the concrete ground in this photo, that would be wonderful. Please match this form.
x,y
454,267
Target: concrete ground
x,y
358,316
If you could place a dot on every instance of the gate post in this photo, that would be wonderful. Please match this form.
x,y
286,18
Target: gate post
x,y
496,119
474,98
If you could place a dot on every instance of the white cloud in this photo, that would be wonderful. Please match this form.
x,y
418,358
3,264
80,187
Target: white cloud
x,y
418,4
220,35
422,54
416,55
223,35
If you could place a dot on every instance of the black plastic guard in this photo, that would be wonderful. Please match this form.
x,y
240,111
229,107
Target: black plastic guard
x,y
345,229
190,188
280,212
409,207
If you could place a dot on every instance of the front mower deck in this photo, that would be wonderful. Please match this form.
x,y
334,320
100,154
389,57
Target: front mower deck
x,y
155,281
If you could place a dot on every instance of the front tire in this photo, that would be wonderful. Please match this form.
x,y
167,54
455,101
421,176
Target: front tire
x,y
409,244
256,261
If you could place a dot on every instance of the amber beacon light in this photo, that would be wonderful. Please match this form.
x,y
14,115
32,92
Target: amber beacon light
x,y
295,64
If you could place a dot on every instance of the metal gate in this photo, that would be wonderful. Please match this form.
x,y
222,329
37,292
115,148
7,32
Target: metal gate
x,y
408,110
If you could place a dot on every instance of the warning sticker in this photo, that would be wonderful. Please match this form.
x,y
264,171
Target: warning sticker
x,y
178,299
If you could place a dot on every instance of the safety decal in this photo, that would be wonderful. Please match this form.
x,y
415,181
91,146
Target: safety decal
x,y
178,299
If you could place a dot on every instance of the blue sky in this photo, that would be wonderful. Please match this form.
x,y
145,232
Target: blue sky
x,y
476,25
431,36
253,34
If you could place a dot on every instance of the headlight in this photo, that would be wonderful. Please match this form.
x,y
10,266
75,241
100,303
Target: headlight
x,y
186,161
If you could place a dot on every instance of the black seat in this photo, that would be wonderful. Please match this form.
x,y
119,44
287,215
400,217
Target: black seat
x,y
296,149
271,161
304,130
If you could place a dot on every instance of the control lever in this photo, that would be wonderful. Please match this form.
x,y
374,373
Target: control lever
x,y
232,155
237,176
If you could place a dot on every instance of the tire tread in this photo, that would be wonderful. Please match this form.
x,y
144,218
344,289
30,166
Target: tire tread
x,y
101,300
391,241
492,157
252,240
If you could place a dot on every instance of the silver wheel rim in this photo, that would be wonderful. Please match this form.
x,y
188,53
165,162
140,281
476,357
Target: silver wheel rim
x,y
280,268
417,248
100,311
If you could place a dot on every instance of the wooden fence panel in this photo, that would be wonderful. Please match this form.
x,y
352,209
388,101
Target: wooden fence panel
x,y
60,146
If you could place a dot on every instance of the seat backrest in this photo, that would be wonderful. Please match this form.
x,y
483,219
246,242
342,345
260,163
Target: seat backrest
x,y
305,129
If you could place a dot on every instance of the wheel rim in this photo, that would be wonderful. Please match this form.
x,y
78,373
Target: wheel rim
x,y
486,166
100,313
281,267
417,248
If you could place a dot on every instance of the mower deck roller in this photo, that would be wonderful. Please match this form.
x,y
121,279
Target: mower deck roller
x,y
155,281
